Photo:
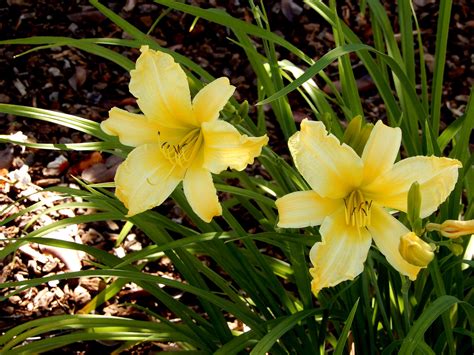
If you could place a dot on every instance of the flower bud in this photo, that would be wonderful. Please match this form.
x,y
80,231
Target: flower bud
x,y
353,130
456,249
452,228
414,206
415,251
357,133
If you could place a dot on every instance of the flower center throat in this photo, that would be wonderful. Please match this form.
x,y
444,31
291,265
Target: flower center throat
x,y
182,152
357,210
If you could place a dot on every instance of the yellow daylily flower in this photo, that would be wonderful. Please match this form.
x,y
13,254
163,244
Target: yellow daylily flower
x,y
349,193
176,139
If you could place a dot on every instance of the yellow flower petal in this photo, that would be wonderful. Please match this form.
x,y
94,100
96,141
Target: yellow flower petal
x,y
386,232
225,147
331,169
211,99
436,176
201,193
380,151
304,208
146,178
162,89
131,129
341,254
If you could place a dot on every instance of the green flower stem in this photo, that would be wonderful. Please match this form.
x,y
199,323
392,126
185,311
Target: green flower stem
x,y
406,302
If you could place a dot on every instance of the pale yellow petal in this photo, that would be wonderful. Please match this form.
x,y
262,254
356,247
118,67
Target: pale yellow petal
x,y
304,208
211,99
436,176
341,254
380,151
131,129
146,178
162,89
225,147
386,232
331,169
201,193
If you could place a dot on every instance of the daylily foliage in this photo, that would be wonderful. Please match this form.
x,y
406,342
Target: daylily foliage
x,y
176,139
350,194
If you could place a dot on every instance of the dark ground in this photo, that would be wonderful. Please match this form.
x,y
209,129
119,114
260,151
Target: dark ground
x,y
74,82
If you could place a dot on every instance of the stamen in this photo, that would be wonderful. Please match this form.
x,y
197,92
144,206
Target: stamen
x,y
184,151
357,210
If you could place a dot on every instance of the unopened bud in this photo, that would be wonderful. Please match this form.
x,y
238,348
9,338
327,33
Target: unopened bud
x,y
244,109
357,133
414,206
352,130
456,249
363,138
452,228
415,251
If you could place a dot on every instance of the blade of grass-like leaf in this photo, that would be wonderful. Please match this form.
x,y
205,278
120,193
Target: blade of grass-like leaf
x,y
42,40
329,57
224,19
98,322
103,296
433,311
440,291
319,65
442,31
346,75
345,331
284,111
429,141
65,205
75,122
86,46
317,96
244,315
188,264
230,258
180,243
87,146
188,316
238,344
143,39
103,216
461,150
123,233
259,280
409,117
45,345
335,53
377,75
28,209
451,131
258,63
303,282
283,326
246,193
407,42
422,65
